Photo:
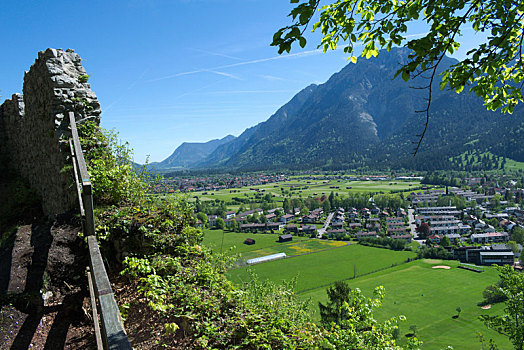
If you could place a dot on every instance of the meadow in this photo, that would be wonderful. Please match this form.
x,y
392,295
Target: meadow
x,y
308,188
429,298
511,165
325,267
266,244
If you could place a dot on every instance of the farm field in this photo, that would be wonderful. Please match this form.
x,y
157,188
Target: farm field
x,y
428,298
325,267
319,187
266,244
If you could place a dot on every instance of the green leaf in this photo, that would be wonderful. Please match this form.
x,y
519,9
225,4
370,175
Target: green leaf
x,y
302,41
405,75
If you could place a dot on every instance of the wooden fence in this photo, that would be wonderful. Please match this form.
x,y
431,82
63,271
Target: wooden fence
x,y
109,330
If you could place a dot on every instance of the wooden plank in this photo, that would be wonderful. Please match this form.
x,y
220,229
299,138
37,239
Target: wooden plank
x,y
77,183
116,337
113,334
87,195
84,175
101,281
98,335
87,199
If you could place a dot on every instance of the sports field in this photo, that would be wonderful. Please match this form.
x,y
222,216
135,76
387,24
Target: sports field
x,y
325,267
428,297
265,244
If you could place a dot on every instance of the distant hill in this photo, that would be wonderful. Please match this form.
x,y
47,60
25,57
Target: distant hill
x,y
362,117
189,154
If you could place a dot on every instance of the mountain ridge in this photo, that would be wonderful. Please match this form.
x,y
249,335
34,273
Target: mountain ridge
x,y
191,153
363,117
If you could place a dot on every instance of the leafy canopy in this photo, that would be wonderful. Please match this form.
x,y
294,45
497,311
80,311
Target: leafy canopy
x,y
493,69
511,323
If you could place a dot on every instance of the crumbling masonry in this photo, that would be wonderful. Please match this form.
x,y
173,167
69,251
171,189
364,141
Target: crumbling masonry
x,y
34,127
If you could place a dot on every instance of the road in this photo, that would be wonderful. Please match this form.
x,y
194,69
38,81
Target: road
x,y
322,230
413,227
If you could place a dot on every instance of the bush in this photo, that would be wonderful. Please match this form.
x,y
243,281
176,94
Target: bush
x,y
434,253
110,167
384,242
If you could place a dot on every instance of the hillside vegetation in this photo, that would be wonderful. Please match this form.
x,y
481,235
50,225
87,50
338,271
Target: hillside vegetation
x,y
187,295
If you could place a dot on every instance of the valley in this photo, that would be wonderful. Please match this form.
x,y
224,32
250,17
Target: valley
x,y
426,295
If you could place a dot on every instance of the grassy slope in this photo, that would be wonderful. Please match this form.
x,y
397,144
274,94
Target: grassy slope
x,y
429,298
323,268
510,163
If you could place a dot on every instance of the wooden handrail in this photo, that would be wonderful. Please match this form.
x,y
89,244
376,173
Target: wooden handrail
x,y
111,334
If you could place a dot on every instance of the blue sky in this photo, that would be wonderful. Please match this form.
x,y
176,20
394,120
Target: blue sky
x,y
165,71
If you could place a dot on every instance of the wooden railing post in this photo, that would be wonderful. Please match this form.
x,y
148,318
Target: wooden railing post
x,y
87,197
115,337
85,181
111,334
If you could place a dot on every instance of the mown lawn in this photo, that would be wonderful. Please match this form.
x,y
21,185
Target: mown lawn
x,y
234,241
265,244
429,298
325,267
296,248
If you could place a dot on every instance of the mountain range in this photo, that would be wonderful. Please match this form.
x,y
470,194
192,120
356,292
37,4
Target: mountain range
x,y
363,117
189,154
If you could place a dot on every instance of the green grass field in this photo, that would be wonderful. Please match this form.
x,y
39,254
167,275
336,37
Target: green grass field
x,y
325,267
513,165
266,244
234,241
296,248
428,298
314,188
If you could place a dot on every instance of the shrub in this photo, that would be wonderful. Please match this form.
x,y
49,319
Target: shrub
x,y
110,167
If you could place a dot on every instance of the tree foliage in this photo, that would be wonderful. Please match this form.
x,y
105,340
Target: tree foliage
x,y
110,167
338,294
358,328
511,323
517,234
424,230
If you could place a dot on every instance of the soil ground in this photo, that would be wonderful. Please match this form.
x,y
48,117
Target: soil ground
x,y
43,287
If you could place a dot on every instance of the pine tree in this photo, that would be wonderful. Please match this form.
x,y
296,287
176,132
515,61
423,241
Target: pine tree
x,y
338,294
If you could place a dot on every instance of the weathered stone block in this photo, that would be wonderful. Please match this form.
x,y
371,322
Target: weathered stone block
x,y
33,129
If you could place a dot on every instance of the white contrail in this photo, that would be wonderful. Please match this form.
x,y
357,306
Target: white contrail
x,y
218,54
260,60
132,85
298,54
232,76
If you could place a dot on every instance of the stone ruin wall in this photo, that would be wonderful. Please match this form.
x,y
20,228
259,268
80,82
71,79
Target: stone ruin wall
x,y
34,127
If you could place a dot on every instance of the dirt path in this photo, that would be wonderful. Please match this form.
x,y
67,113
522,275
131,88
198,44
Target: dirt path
x,y
43,288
